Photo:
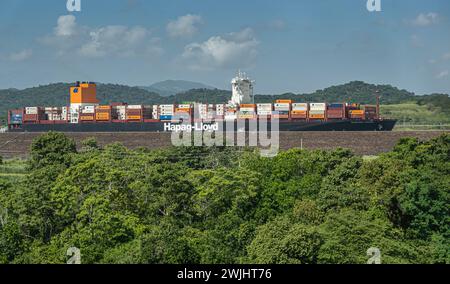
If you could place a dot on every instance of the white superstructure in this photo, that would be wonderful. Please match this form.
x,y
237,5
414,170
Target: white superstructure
x,y
242,90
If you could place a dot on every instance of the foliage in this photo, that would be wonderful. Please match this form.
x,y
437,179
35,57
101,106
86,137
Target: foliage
x,y
226,205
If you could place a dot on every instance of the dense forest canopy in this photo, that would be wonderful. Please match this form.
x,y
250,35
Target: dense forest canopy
x,y
227,205
356,91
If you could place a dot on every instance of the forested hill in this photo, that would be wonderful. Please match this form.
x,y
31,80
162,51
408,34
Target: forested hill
x,y
356,91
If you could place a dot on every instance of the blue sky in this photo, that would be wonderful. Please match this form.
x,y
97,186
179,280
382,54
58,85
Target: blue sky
x,y
285,45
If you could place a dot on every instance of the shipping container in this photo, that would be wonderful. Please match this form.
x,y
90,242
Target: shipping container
x,y
253,106
103,108
335,113
317,106
134,117
102,116
165,117
284,101
300,107
85,117
138,107
316,116
184,110
335,105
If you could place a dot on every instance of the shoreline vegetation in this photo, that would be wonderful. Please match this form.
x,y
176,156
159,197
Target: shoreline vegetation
x,y
197,205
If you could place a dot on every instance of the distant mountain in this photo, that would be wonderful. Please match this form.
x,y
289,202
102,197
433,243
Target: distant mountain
x,y
173,87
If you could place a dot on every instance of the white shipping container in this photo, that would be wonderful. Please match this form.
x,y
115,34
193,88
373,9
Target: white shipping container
x,y
300,106
316,111
283,105
317,106
184,106
281,109
248,109
31,110
264,112
230,116
134,107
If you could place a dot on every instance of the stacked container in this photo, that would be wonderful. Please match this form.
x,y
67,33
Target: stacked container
x,y
356,114
317,110
247,111
87,114
32,114
119,112
103,113
134,112
65,113
230,113
370,112
281,109
15,116
336,111
166,112
147,112
183,111
299,111
220,111
155,112
264,109
206,111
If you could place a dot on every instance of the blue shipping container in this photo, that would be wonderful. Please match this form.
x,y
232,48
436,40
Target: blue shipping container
x,y
16,118
336,106
165,117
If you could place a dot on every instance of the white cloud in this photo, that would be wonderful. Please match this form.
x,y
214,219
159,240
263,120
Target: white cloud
x,y
423,20
416,41
120,41
442,74
66,26
21,55
277,25
184,26
117,40
233,50
446,56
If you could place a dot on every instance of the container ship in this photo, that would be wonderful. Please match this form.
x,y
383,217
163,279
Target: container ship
x,y
85,114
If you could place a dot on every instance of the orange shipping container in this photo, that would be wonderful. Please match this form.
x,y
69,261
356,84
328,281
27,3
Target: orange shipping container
x,y
102,116
183,110
357,112
134,117
284,101
87,117
248,105
104,107
317,116
301,112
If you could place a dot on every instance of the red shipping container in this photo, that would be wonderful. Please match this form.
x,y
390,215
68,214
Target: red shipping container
x,y
30,117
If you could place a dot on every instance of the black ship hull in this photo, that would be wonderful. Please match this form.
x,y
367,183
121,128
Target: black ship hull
x,y
287,125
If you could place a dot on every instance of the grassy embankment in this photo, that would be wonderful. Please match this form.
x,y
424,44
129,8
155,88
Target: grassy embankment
x,y
412,116
13,170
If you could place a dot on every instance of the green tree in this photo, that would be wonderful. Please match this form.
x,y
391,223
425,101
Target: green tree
x,y
51,148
